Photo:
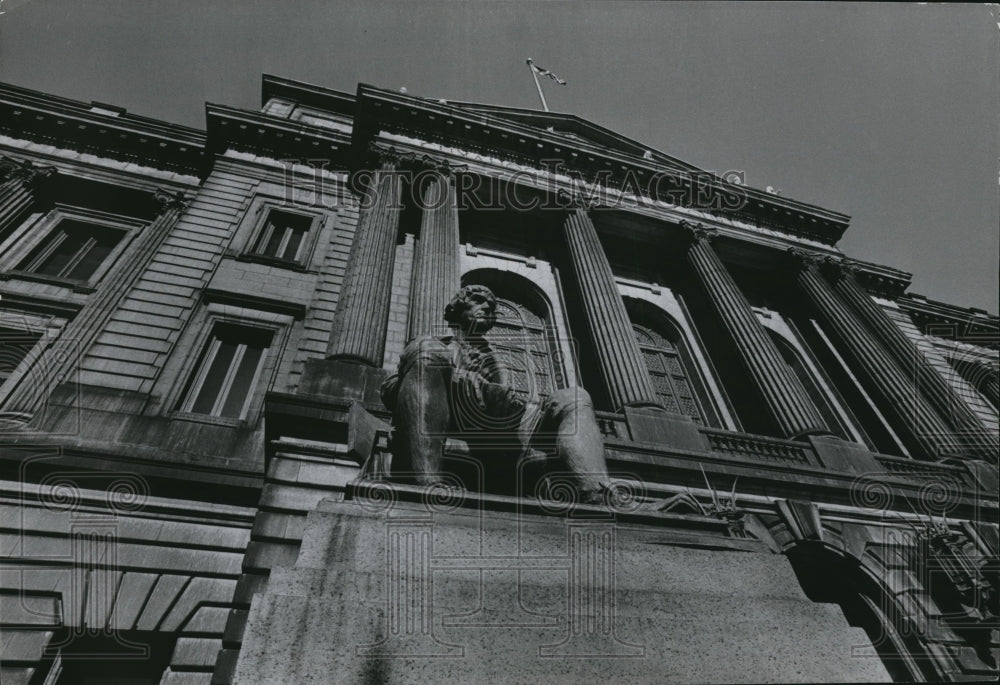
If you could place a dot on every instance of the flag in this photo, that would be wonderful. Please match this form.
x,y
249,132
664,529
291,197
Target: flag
x,y
546,72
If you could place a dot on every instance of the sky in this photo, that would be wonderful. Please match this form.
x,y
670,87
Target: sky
x,y
886,112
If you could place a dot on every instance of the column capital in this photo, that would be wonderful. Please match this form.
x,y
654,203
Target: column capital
x,y
165,201
804,259
386,155
440,165
574,200
26,171
847,268
698,232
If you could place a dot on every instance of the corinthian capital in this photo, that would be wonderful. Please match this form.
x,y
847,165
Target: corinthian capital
x,y
385,155
807,258
24,170
698,232
166,201
575,200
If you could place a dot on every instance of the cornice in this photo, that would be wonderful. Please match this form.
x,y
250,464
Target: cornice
x,y
880,280
306,94
968,321
65,123
230,127
445,123
573,121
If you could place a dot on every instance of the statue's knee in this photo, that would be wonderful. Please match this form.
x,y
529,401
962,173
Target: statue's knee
x,y
423,354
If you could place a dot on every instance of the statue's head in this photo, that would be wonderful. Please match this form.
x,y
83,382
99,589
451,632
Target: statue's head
x,y
473,309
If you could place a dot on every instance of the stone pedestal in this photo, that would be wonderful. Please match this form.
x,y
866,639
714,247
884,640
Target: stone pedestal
x,y
459,588
840,455
649,424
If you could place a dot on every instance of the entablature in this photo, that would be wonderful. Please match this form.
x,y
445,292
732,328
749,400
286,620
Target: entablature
x,y
971,323
248,131
101,130
381,112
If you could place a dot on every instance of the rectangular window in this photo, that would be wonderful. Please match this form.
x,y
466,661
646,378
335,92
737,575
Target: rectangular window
x,y
73,250
15,345
227,372
283,235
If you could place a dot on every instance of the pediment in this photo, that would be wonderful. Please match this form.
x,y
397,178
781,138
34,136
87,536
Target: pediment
x,y
575,129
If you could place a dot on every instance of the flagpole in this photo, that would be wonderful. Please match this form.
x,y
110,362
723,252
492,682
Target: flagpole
x,y
534,75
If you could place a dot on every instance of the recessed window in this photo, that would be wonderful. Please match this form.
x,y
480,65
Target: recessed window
x,y
669,370
230,364
283,236
74,250
813,389
520,342
15,345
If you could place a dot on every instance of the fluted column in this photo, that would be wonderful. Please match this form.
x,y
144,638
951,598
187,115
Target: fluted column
x,y
359,324
435,260
19,185
931,384
626,379
898,394
788,402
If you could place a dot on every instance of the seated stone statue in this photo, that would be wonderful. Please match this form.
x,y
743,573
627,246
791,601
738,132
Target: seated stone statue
x,y
454,385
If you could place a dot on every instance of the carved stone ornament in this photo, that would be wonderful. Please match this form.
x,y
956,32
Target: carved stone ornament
x,y
24,170
947,550
386,155
166,201
440,165
806,258
573,201
698,232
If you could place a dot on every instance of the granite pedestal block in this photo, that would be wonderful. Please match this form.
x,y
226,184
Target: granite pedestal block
x,y
459,589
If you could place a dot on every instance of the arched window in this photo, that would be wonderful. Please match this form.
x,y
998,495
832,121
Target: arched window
x,y
666,370
675,376
523,338
519,339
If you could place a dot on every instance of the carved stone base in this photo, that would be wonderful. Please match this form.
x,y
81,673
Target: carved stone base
x,y
664,428
840,455
343,380
403,585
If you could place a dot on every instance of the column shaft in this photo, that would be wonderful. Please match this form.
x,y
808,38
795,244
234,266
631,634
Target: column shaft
x,y
435,265
787,400
899,395
363,308
626,379
931,384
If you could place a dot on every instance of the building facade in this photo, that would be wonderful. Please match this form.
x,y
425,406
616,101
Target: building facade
x,y
197,481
